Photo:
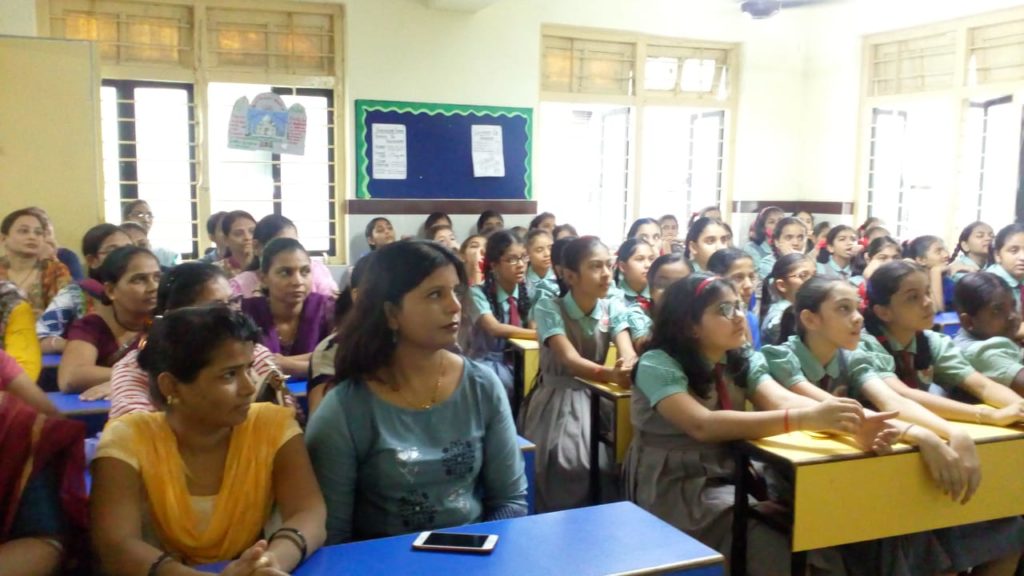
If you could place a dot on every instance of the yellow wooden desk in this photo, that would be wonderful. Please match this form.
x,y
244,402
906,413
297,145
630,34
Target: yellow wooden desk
x,y
842,495
620,434
527,365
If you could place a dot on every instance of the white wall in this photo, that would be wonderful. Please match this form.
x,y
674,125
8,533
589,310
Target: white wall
x,y
800,74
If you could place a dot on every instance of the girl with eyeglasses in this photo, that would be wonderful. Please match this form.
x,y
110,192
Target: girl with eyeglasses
x,y
739,267
692,385
783,280
139,212
499,308
188,284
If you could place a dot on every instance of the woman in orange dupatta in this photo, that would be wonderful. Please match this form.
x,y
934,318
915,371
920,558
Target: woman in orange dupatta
x,y
42,490
195,484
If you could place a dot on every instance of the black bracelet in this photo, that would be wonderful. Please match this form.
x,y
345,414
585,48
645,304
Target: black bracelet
x,y
157,563
295,537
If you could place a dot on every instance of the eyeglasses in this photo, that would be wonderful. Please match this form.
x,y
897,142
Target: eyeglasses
x,y
805,275
513,260
730,310
145,215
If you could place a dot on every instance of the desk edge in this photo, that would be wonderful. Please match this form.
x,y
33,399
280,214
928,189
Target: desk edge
x,y
683,565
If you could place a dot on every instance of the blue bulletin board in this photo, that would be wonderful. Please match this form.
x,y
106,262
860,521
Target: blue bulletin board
x,y
438,151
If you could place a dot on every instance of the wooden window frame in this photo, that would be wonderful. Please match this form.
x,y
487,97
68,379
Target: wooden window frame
x,y
200,76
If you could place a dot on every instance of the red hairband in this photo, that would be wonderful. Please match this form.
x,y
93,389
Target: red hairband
x,y
703,284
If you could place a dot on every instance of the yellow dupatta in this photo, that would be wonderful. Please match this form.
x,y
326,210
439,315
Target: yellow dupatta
x,y
243,503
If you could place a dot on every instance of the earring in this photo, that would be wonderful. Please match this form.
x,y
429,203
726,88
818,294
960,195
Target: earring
x,y
172,400
394,336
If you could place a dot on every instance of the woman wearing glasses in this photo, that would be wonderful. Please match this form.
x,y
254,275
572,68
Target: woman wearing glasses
x,y
786,276
138,211
188,284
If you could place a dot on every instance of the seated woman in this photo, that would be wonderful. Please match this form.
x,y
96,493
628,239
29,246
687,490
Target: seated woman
x,y
139,212
17,331
188,284
42,490
238,227
158,478
23,233
413,437
269,227
51,248
79,298
130,277
292,318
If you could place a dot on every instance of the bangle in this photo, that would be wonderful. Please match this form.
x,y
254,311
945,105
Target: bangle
x,y
785,420
158,563
295,537
903,434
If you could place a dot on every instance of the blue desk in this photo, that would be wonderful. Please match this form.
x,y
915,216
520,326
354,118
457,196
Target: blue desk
x,y
94,413
948,323
51,360
615,538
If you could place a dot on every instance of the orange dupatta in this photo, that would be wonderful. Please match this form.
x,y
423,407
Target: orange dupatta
x,y
243,503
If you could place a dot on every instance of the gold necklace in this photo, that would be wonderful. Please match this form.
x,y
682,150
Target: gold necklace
x,y
21,283
433,397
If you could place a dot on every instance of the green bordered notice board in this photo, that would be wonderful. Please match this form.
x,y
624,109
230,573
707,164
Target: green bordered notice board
x,y
410,150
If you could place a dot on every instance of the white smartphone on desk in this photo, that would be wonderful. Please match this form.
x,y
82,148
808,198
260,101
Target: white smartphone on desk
x,y
451,542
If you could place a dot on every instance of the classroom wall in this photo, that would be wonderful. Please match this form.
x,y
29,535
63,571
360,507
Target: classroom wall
x,y
796,134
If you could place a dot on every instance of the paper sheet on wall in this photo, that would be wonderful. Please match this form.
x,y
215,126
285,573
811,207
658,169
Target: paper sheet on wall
x,y
389,152
488,152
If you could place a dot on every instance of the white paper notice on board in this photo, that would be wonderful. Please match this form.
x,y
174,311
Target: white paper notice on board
x,y
389,152
488,152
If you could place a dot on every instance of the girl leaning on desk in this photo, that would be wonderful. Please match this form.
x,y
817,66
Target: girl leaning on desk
x,y
159,476
688,402
413,437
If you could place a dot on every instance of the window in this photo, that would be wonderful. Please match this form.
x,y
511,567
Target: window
x,y
172,71
149,153
683,160
585,158
299,187
604,92
943,142
991,157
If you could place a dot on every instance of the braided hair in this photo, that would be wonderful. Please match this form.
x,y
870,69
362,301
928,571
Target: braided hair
x,y
497,244
884,283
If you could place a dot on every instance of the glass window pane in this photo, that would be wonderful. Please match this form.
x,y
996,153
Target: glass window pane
x,y
239,179
164,164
